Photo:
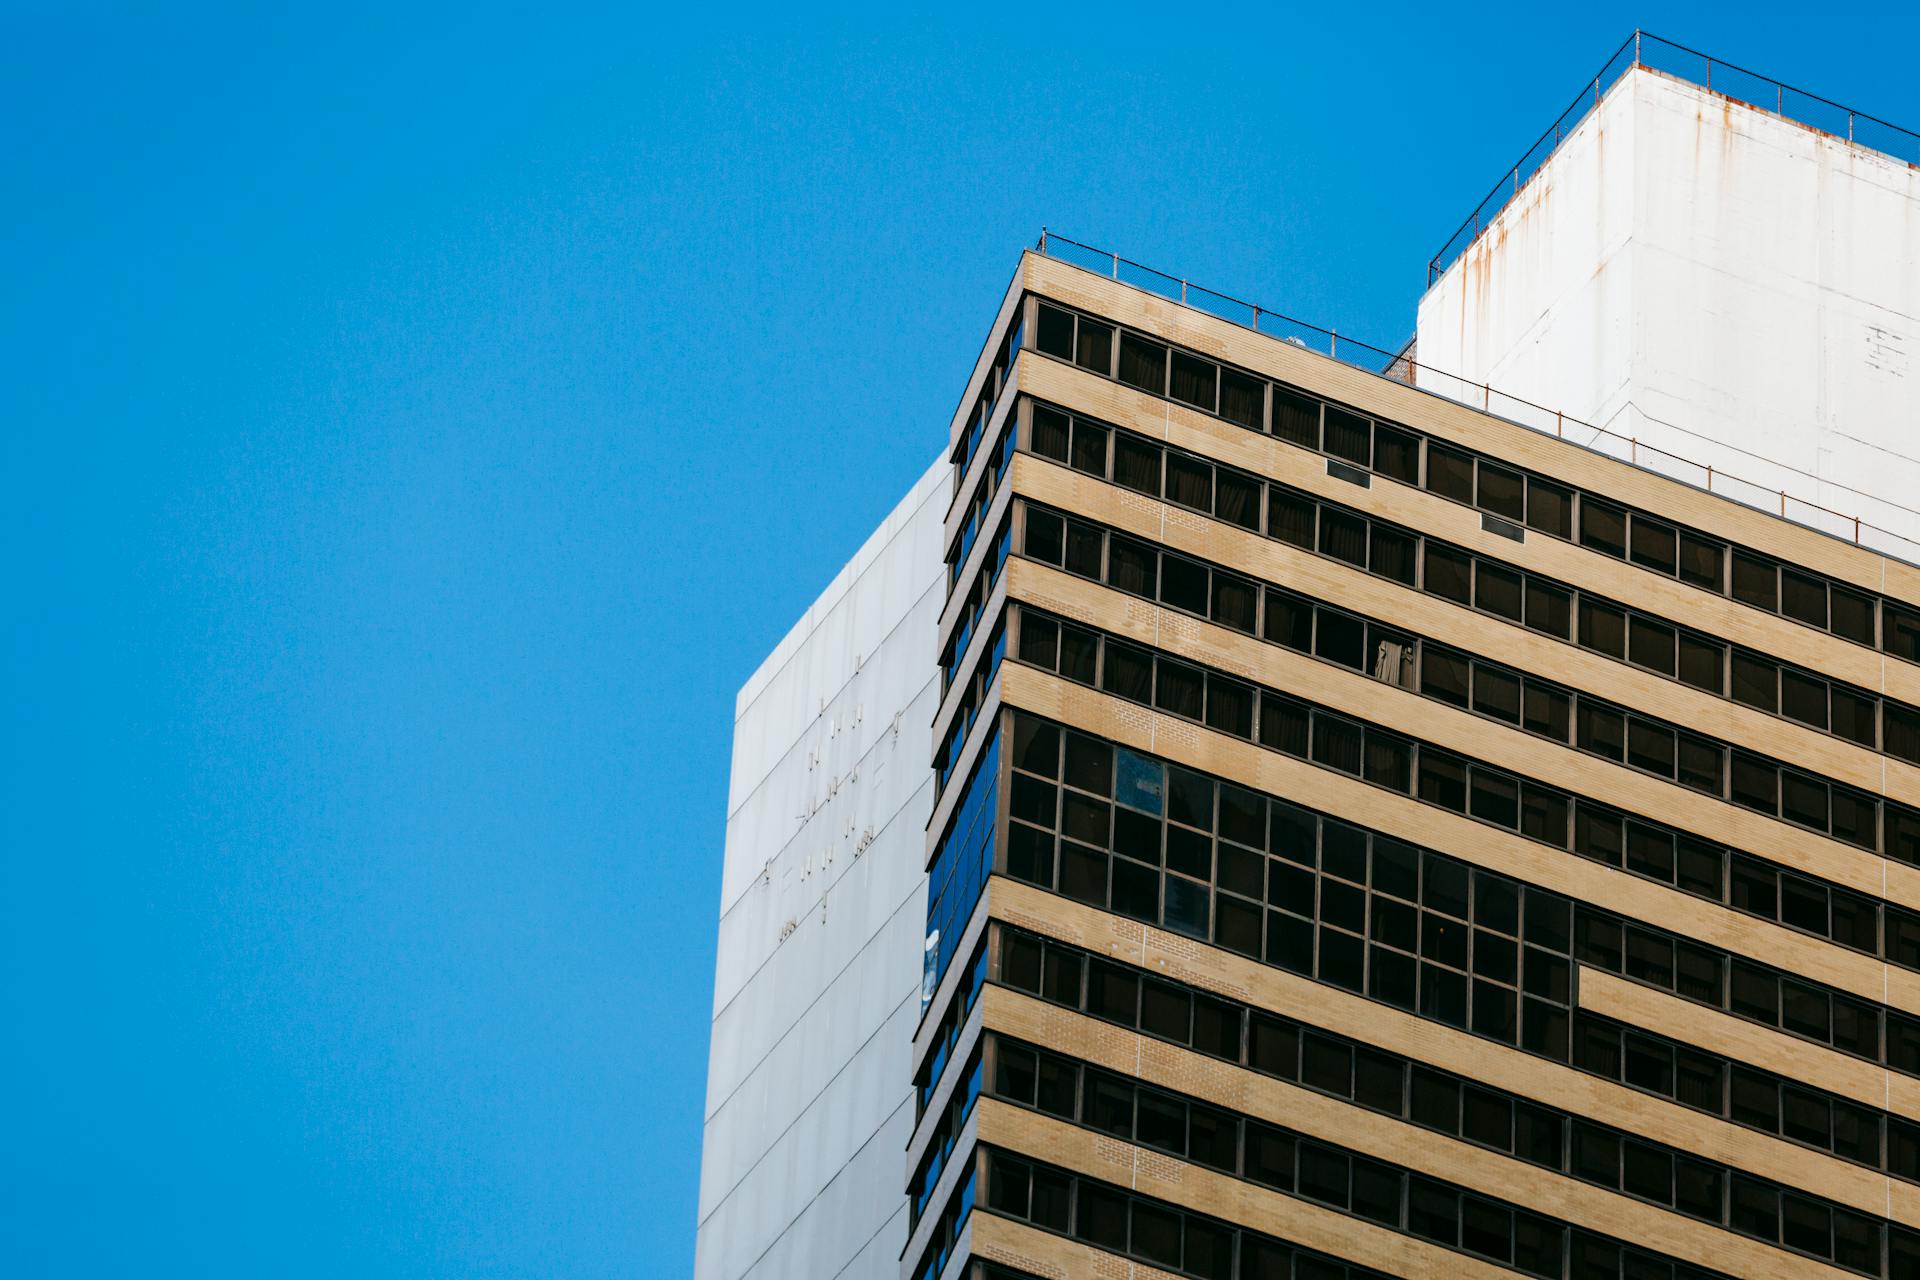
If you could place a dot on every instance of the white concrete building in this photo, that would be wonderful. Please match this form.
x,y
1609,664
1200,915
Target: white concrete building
x,y
1709,279
822,913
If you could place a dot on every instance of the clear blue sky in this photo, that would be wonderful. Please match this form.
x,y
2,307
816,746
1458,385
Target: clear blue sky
x,y
418,427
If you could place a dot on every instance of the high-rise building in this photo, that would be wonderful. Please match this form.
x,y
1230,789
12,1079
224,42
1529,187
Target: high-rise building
x,y
1389,823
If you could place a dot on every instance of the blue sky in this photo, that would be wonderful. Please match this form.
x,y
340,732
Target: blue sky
x,y
421,424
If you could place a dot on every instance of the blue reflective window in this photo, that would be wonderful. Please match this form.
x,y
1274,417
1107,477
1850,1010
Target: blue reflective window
x,y
1138,782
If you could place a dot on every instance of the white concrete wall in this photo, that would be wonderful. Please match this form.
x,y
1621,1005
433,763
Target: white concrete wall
x,y
822,912
1717,282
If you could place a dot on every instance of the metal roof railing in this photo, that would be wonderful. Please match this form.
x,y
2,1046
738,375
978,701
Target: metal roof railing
x,y
1401,367
1644,49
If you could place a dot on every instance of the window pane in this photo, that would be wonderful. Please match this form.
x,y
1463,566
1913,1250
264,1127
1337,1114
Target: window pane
x,y
1136,464
1852,615
1290,517
1230,707
1289,621
1443,780
1502,492
1133,566
1449,472
1650,747
1803,597
1143,364
1046,536
1195,381
1050,428
1388,761
1283,725
1603,527
1089,448
1852,716
1449,573
1804,698
1391,554
1083,550
1651,644
1341,638
1083,873
1128,673
1040,641
1756,783
1348,435
1702,765
1701,663
1903,731
1702,563
1755,581
1549,507
1183,583
1755,681
1343,537
1603,629
1496,798
1655,545
1444,674
1079,653
1803,799
1235,601
1296,417
1055,332
1095,349
1242,399
1549,609
1548,711
1179,688
1603,731
1237,499
1336,742
1396,454
1496,693
1497,590
1189,483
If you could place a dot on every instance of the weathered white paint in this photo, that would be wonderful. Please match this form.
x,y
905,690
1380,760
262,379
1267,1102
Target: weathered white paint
x,y
1717,282
823,905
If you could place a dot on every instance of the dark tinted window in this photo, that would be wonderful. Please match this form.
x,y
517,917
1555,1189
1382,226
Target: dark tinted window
x,y
1755,581
1549,609
1449,573
1143,364
1655,545
1396,453
1242,399
1549,507
1296,417
1349,436
1603,628
1136,465
1055,332
1095,349
1050,428
1195,381
1290,518
1449,472
1502,492
1702,562
1852,615
1755,681
1603,527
